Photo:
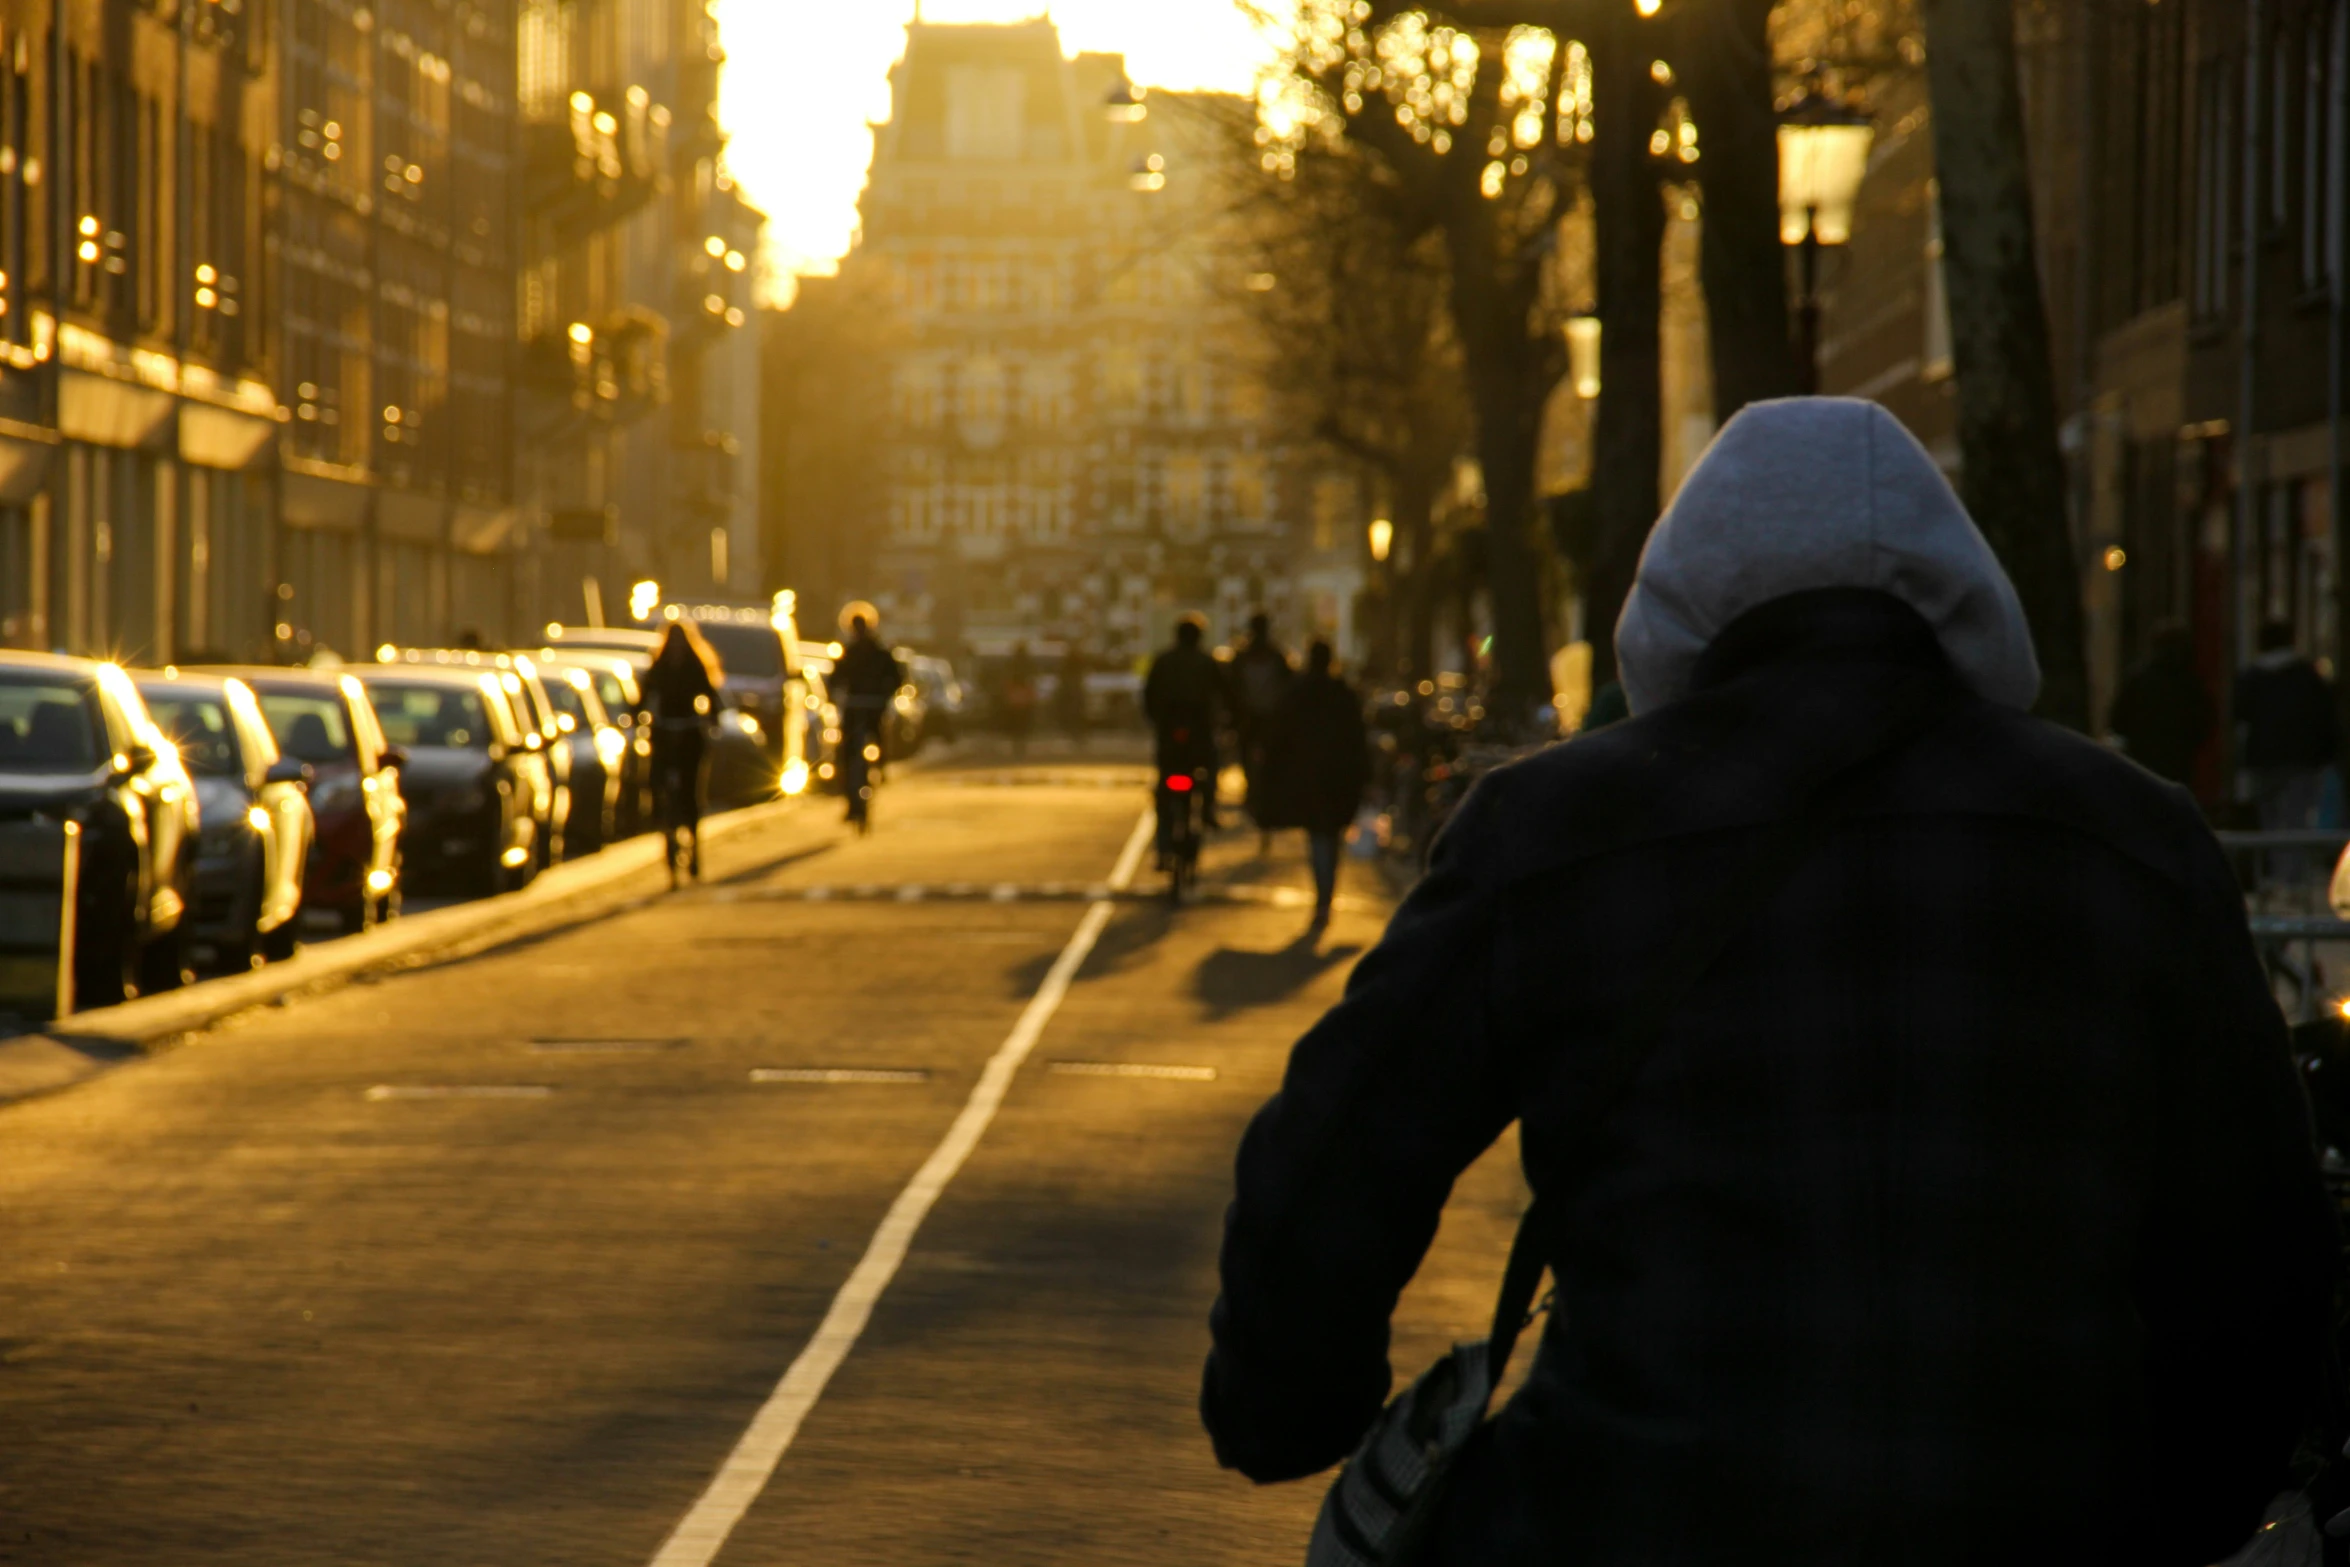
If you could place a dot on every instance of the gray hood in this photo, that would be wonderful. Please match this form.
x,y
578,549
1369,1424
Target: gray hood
x,y
1818,492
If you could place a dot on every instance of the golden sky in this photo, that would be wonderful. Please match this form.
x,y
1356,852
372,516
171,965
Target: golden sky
x,y
804,77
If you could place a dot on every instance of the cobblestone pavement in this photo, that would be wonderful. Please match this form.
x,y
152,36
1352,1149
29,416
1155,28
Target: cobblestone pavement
x,y
493,1263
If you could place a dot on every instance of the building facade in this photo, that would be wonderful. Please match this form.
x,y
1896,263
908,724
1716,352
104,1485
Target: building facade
x,y
273,279
2189,172
1073,444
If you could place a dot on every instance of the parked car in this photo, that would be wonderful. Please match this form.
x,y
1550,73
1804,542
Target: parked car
x,y
77,745
255,830
943,696
615,676
323,718
526,693
478,791
596,750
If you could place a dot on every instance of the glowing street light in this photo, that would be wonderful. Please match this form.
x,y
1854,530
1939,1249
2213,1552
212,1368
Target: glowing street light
x,y
1382,539
643,599
1823,155
1583,353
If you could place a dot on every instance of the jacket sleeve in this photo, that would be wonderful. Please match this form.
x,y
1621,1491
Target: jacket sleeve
x,y
2236,1275
1343,1174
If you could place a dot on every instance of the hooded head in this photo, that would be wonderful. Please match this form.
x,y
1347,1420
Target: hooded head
x,y
1818,492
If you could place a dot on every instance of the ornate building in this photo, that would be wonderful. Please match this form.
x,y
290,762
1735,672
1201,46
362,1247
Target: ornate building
x,y
1075,445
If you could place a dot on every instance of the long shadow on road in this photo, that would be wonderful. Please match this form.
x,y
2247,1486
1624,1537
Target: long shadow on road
x,y
1231,979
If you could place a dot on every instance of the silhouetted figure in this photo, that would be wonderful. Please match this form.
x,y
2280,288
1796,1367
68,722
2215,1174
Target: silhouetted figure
x,y
1914,1140
1260,677
1183,697
1320,760
681,698
2285,731
1016,697
865,679
1069,693
2162,714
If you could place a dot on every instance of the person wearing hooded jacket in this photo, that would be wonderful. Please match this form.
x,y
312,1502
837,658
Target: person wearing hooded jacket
x,y
1965,1208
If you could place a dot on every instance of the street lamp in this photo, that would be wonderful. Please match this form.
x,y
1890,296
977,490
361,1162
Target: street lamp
x,y
1823,153
1583,353
1382,539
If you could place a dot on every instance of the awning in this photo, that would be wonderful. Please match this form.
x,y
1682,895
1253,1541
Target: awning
x,y
308,501
213,437
484,530
24,464
410,518
107,412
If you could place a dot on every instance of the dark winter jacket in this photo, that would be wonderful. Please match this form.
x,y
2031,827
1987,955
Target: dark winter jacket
x,y
2163,714
1966,1209
2286,712
1182,697
1319,757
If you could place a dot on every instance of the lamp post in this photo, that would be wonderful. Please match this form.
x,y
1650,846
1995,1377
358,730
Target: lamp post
x,y
1823,153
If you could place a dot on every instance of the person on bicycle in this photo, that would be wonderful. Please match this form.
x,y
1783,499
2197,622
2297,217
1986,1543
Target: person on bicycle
x,y
865,680
681,695
1182,698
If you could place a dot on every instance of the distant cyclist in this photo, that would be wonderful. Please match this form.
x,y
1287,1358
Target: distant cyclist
x,y
681,694
865,680
1182,698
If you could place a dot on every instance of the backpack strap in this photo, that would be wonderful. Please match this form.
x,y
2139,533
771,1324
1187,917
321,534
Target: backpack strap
x,y
1694,949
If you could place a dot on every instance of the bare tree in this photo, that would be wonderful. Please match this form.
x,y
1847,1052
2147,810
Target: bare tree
x,y
1348,293
2013,479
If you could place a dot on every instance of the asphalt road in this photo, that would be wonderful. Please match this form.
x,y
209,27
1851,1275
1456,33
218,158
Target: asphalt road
x,y
497,1261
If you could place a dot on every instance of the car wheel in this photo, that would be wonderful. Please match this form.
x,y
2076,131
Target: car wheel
x,y
102,951
162,962
280,944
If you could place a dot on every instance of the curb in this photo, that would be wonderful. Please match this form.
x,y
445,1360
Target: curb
x,y
86,1044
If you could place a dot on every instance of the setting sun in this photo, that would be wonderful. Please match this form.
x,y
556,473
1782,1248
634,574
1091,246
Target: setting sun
x,y
804,79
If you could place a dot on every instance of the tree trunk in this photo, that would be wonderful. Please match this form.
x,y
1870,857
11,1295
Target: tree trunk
x,y
1726,72
1627,434
2014,479
1507,384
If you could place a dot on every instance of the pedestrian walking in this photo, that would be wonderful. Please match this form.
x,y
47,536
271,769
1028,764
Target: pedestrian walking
x,y
1016,698
1320,761
2284,731
1914,1141
681,689
1260,677
2162,714
1069,693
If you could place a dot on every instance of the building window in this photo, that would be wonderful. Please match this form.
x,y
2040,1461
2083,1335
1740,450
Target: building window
x,y
2214,146
987,108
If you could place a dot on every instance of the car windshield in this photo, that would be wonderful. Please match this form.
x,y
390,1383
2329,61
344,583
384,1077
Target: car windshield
x,y
47,726
313,729
199,725
422,715
566,700
610,691
751,652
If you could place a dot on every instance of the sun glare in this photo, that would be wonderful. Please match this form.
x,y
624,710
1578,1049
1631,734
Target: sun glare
x,y
805,78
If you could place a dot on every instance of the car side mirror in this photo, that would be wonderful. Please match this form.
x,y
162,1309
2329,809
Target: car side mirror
x,y
287,769
137,757
392,756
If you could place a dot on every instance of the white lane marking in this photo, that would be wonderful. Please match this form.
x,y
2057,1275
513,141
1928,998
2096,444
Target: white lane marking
x,y
840,1074
1005,892
1172,1074
459,1091
912,892
702,1533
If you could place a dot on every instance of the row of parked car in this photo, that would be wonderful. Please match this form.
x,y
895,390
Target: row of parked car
x,y
222,811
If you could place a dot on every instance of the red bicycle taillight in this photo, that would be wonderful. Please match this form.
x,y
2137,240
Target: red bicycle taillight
x,y
1180,783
